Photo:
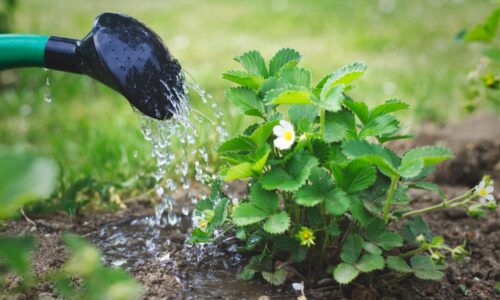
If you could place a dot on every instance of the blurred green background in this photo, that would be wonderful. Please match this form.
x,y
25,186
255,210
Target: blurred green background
x,y
92,132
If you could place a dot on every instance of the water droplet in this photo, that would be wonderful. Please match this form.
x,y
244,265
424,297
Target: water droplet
x,y
172,219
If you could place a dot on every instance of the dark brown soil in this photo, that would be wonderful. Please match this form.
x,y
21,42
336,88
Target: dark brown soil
x,y
476,144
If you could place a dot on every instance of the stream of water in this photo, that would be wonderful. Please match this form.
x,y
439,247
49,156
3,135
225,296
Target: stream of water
x,y
182,164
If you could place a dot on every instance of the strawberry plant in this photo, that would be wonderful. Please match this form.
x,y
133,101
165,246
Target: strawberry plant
x,y
323,189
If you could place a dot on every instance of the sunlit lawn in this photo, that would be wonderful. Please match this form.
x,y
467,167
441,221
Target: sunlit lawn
x,y
92,131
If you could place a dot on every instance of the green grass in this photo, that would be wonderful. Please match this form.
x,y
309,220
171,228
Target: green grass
x,y
92,132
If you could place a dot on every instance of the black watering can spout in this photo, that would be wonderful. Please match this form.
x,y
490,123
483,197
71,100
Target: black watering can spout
x,y
125,55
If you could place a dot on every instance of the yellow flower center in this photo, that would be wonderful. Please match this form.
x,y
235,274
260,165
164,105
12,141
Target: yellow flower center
x,y
306,235
483,192
288,135
202,224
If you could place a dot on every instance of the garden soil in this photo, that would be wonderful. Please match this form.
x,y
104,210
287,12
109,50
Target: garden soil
x,y
476,144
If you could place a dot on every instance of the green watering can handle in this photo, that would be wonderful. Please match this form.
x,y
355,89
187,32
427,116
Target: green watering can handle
x,y
22,50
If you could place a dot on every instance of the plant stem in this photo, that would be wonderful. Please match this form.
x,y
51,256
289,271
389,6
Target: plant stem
x,y
322,123
390,195
444,204
423,210
414,251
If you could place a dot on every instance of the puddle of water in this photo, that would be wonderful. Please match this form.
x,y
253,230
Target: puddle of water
x,y
207,272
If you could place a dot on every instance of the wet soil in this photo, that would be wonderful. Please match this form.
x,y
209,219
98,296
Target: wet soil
x,y
169,270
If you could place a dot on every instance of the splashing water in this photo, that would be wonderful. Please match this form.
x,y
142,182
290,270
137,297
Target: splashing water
x,y
180,132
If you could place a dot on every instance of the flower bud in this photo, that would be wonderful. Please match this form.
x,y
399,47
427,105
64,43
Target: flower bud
x,y
208,215
458,253
420,238
491,205
475,211
437,257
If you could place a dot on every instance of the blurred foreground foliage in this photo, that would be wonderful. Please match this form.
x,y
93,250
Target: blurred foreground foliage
x,y
25,178
484,80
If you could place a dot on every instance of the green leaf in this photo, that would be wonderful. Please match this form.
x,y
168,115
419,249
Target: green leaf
x,y
334,230
398,264
320,149
299,254
345,273
438,242
270,84
200,236
276,278
246,100
410,168
284,57
236,144
383,124
277,223
262,133
332,99
424,268
320,189
344,117
390,137
389,240
290,95
261,162
359,212
359,108
337,203
351,249
220,214
334,131
16,253
414,227
253,62
430,155
384,159
374,197
245,79
111,283
261,262
263,199
484,32
492,53
246,274
358,175
387,107
302,116
296,76
240,171
246,214
370,262
84,259
292,176
345,75
372,248
24,178
377,233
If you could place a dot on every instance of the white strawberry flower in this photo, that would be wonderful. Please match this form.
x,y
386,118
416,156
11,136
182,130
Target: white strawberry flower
x,y
485,191
285,135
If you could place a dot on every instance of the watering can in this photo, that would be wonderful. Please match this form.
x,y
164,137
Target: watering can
x,y
119,52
